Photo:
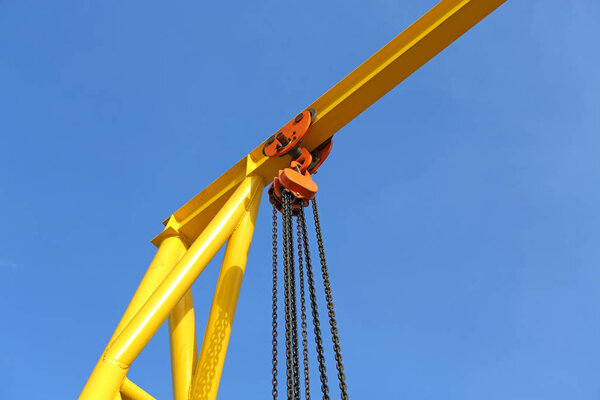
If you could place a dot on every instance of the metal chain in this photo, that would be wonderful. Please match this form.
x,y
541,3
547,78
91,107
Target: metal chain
x,y
331,312
292,285
315,313
291,312
286,279
303,312
274,307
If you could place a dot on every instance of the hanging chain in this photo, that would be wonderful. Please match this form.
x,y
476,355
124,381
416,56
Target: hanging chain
x,y
303,312
293,309
315,313
334,331
274,307
286,279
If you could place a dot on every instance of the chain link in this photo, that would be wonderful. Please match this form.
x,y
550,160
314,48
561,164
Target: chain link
x,y
303,312
315,312
294,313
332,321
286,279
274,307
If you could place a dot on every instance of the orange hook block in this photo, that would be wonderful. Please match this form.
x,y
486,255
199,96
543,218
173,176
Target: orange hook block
x,y
297,177
275,192
300,184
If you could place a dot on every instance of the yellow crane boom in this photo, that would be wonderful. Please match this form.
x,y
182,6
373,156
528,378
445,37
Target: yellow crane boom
x,y
379,74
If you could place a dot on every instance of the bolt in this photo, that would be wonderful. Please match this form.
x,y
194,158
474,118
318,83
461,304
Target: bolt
x,y
281,138
298,118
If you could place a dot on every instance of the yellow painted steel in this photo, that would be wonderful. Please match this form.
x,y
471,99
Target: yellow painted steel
x,y
131,391
210,217
182,337
397,60
170,250
218,328
116,360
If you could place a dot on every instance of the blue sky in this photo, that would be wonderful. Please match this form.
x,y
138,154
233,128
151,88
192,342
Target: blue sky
x,y
464,252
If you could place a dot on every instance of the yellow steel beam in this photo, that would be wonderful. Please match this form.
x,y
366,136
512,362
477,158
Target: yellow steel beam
x,y
406,53
182,337
110,371
170,250
131,391
220,320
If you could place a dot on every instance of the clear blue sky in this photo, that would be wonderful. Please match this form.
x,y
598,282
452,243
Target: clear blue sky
x,y
464,252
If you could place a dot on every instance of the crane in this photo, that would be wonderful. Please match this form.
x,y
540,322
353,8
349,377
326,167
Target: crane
x,y
225,213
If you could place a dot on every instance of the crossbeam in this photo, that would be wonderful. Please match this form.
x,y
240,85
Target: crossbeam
x,y
379,74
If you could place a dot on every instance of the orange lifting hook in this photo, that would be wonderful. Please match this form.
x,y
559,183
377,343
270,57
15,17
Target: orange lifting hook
x,y
297,177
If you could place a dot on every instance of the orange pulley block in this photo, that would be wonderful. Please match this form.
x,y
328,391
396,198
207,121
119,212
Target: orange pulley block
x,y
297,177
